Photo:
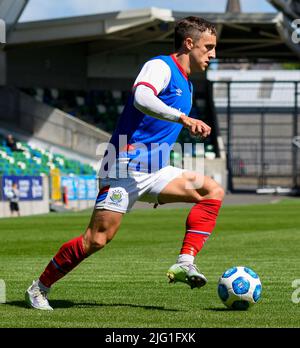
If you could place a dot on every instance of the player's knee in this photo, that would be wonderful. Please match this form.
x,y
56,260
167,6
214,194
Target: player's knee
x,y
96,242
217,192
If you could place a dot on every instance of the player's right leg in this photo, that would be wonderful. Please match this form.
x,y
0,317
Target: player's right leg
x,y
102,228
207,195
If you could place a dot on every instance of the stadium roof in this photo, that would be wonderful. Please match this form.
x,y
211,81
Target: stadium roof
x,y
10,12
240,35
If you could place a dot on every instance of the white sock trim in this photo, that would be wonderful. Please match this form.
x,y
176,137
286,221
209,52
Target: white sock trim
x,y
42,286
185,258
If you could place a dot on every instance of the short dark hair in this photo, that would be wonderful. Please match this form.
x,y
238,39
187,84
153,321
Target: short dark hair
x,y
192,27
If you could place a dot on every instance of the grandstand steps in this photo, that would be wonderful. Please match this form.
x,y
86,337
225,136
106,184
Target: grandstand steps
x,y
35,145
50,125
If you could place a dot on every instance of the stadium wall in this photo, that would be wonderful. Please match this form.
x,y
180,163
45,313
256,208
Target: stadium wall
x,y
43,122
81,205
63,66
30,207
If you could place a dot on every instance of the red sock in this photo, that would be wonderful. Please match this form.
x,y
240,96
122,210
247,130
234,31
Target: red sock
x,y
199,225
67,258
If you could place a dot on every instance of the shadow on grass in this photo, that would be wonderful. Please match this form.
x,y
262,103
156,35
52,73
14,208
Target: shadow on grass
x,y
60,304
220,309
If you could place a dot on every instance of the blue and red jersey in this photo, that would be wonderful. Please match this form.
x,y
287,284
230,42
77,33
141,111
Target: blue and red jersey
x,y
149,140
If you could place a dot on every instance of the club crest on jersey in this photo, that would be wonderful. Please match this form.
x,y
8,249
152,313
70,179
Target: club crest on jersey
x,y
179,92
116,196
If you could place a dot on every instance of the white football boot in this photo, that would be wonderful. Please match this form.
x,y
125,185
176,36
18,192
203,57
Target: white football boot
x,y
186,273
35,297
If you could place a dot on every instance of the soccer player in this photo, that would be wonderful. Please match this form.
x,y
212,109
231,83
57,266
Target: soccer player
x,y
155,113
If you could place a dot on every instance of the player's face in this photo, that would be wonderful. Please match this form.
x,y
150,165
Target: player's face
x,y
202,51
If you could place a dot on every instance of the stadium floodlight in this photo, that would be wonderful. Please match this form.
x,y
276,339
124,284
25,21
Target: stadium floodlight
x,y
2,33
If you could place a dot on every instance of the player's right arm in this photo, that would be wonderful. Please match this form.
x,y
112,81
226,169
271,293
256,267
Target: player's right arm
x,y
196,127
153,78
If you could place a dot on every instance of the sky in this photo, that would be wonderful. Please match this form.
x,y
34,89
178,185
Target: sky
x,y
50,9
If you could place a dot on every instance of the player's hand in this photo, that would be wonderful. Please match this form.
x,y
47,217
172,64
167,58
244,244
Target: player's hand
x,y
196,127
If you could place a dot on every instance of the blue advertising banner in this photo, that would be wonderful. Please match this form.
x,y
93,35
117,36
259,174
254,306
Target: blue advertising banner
x,y
91,187
81,187
30,187
69,183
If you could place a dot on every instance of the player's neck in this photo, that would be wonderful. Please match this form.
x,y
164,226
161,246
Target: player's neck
x,y
183,61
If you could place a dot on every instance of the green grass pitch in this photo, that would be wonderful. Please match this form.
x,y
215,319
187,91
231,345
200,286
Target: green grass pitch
x,y
125,285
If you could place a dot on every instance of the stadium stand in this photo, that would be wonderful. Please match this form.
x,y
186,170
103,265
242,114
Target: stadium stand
x,y
98,107
33,160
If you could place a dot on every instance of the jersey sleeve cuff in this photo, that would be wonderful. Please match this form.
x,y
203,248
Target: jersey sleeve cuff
x,y
147,84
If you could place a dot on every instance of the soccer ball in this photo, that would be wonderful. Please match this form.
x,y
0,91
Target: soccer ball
x,y
239,288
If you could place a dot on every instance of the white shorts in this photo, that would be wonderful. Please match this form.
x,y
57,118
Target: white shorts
x,y
120,194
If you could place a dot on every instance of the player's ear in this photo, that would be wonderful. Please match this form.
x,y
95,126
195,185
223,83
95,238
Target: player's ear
x,y
189,43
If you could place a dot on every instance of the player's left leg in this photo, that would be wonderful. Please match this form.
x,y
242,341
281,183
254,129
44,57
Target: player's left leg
x,y
207,196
